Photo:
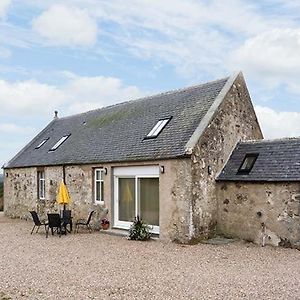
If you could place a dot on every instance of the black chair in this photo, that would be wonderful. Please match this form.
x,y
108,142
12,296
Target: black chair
x,y
85,223
67,220
37,222
54,222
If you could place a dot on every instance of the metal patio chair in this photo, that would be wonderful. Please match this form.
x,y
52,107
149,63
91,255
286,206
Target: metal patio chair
x,y
86,223
54,223
37,222
67,220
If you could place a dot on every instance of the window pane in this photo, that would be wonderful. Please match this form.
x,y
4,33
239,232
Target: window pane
x,y
97,174
43,188
160,127
41,144
149,200
102,190
59,142
126,199
97,190
155,128
248,163
39,189
41,184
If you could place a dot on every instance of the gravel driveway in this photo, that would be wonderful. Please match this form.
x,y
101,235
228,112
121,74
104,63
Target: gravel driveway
x,y
100,266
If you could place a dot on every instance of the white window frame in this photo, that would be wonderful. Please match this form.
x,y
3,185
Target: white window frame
x,y
101,180
41,185
58,143
158,127
41,143
138,172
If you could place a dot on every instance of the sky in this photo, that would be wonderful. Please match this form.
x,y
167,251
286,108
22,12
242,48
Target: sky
x,y
77,55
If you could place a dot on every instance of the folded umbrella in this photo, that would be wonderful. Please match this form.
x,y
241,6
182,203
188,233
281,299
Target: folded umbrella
x,y
63,195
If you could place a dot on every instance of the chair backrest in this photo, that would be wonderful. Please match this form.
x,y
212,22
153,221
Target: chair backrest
x,y
54,220
90,217
35,218
66,216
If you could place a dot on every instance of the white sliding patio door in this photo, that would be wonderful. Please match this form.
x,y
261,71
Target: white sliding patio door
x,y
148,189
136,193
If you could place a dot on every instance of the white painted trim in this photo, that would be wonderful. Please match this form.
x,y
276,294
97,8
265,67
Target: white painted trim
x,y
98,202
134,172
210,114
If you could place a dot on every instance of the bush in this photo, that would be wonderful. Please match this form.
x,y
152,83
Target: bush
x,y
139,231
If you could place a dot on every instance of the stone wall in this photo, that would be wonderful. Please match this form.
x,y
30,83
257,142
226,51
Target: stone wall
x,y
260,211
235,120
19,194
174,191
175,200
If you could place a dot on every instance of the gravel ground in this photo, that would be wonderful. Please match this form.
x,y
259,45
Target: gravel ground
x,y
100,266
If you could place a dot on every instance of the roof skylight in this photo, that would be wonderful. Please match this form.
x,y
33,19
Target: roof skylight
x,y
159,126
41,143
62,140
248,163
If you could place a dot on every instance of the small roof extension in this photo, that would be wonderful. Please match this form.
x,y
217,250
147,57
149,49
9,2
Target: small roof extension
x,y
275,160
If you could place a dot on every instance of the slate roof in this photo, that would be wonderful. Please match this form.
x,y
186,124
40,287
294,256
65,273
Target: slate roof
x,y
116,133
278,160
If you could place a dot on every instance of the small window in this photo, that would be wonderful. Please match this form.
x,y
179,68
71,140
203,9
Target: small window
x,y
248,163
99,186
41,184
62,140
41,143
159,126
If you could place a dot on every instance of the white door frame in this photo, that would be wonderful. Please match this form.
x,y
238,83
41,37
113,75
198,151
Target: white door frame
x,y
137,173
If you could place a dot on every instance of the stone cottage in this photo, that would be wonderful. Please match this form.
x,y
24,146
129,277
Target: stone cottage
x,y
258,192
157,157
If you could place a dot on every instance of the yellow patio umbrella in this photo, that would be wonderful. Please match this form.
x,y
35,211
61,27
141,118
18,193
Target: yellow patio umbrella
x,y
63,195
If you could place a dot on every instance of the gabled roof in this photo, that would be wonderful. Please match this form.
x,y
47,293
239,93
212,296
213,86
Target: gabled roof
x,y
277,160
116,133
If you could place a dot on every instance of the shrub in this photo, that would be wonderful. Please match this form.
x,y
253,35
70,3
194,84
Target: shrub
x,y
139,231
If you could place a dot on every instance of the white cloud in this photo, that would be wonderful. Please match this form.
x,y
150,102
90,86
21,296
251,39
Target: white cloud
x,y
272,56
66,26
10,128
28,97
196,37
278,124
77,94
4,4
32,103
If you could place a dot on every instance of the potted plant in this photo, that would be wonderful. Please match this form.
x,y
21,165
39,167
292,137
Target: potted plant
x,y
104,223
139,230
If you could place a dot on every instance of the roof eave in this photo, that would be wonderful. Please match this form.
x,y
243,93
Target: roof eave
x,y
249,180
132,160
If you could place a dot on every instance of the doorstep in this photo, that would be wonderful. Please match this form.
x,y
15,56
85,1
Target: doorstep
x,y
115,231
124,233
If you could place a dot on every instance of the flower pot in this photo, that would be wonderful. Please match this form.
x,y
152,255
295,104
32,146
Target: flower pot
x,y
105,226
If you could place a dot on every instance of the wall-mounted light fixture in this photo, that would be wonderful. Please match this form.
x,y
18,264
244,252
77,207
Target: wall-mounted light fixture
x,y
162,169
209,170
105,171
